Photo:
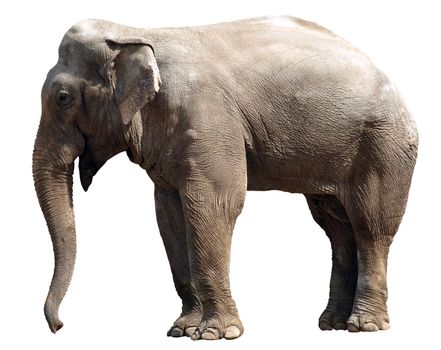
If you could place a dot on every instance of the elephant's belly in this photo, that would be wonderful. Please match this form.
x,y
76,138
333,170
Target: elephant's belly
x,y
311,176
293,185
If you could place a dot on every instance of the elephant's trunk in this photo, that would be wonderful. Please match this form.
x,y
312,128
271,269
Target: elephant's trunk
x,y
52,170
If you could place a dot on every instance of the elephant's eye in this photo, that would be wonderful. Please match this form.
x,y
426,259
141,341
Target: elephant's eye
x,y
64,99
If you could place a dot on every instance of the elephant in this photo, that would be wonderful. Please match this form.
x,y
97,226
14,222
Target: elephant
x,y
210,112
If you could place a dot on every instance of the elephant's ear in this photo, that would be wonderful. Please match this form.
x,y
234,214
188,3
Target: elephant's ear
x,y
135,78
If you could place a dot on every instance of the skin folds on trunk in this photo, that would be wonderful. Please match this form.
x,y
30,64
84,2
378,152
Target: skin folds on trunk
x,y
53,184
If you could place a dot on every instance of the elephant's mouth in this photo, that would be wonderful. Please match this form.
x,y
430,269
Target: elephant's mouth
x,y
88,166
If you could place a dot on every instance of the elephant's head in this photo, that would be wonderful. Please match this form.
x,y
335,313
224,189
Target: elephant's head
x,y
90,109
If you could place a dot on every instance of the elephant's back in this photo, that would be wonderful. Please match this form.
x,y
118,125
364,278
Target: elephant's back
x,y
238,41
253,58
302,95
265,23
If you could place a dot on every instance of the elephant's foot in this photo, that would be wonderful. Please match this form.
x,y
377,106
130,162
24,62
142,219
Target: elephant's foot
x,y
218,326
331,319
186,324
361,321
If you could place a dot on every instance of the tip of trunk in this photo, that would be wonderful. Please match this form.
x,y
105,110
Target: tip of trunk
x,y
51,313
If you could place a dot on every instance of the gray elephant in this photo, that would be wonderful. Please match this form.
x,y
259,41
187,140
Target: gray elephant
x,y
210,112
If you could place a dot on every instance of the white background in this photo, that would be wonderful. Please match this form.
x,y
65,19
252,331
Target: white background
x,y
122,295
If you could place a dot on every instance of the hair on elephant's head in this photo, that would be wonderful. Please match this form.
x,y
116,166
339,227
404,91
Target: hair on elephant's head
x,y
90,104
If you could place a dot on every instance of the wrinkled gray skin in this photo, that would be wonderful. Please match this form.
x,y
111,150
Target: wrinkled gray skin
x,y
211,112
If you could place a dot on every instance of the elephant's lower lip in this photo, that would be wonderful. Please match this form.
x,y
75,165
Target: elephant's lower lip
x,y
88,168
86,176
86,181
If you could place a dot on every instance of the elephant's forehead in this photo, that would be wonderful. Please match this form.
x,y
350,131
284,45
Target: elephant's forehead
x,y
86,29
93,30
73,51
82,40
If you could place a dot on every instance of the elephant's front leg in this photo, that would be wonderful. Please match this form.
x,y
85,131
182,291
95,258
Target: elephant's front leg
x,y
211,211
172,227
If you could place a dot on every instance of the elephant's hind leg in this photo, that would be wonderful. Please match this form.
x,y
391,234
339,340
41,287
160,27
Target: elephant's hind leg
x,y
331,216
375,198
375,207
